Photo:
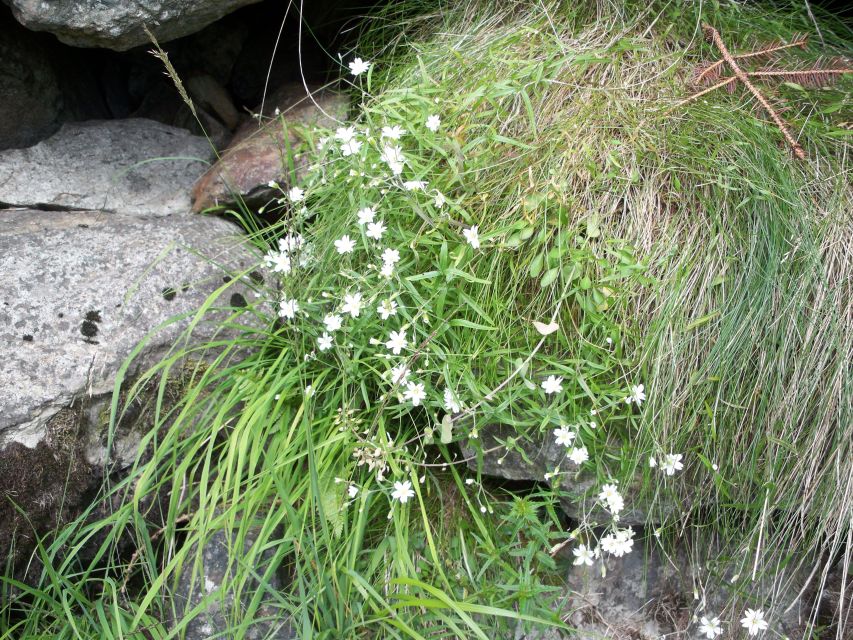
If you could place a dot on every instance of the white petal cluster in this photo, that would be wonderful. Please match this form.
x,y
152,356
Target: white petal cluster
x,y
612,499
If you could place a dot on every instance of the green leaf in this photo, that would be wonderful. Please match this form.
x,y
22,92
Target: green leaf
x,y
462,274
536,265
446,429
514,143
531,202
593,229
461,322
698,322
549,277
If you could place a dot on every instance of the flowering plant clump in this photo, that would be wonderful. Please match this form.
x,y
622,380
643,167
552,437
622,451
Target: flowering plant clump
x,y
389,280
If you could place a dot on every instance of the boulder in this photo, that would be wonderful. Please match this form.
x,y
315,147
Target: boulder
x,y
532,459
258,154
653,593
119,25
133,166
79,291
32,101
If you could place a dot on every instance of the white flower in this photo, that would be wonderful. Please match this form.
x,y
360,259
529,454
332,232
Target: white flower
x,y
472,236
291,242
439,200
451,404
652,462
753,621
619,543
324,342
352,304
387,309
671,463
390,256
288,308
414,185
637,395
397,342
610,495
278,261
358,66
345,134
403,491
394,133
352,491
564,436
578,455
387,270
366,215
433,123
399,374
333,322
583,555
392,155
375,230
710,627
552,384
296,194
415,392
351,147
345,244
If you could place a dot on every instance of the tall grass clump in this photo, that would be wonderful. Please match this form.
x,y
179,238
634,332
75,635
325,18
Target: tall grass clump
x,y
514,229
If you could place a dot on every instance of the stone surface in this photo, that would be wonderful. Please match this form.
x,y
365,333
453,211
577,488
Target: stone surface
x,y
257,155
32,101
81,289
109,165
543,456
203,583
119,25
649,594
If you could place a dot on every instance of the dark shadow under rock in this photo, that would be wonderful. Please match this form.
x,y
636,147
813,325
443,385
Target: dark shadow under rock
x,y
535,459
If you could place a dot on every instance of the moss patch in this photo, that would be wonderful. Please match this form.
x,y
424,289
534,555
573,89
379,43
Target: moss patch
x,y
43,487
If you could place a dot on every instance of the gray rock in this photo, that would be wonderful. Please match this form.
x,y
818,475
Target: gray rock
x,y
205,583
133,166
532,459
649,594
32,102
119,25
81,289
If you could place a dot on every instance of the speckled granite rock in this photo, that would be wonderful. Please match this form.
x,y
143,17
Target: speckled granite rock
x,y
81,289
119,25
202,584
107,165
